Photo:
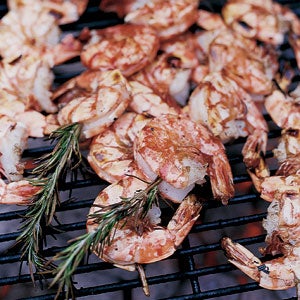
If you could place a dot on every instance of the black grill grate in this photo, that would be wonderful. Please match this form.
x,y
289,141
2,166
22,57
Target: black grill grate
x,y
198,270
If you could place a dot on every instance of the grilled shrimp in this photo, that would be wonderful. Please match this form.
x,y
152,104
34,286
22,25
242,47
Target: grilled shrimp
x,y
181,152
110,153
283,232
64,11
277,274
19,192
28,79
19,33
229,112
14,136
143,241
146,101
285,112
283,109
168,18
126,47
252,67
98,109
254,19
209,21
168,78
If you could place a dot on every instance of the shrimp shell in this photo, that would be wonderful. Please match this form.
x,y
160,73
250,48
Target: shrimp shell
x,y
181,152
126,47
97,110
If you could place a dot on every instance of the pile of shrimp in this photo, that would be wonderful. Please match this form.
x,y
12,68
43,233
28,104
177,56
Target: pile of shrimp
x,y
159,97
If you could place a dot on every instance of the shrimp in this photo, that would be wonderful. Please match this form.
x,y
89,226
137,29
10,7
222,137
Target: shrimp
x,y
64,11
283,232
209,21
146,101
14,136
229,112
143,241
181,152
168,18
126,47
277,274
110,153
19,192
168,78
254,19
28,79
98,109
283,109
285,112
19,33
252,67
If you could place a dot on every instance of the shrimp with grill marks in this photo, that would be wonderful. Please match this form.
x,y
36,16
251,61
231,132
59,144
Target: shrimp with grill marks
x,y
181,152
99,108
229,112
126,47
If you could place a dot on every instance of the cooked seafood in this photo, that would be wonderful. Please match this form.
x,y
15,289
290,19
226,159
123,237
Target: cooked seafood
x,y
64,11
20,192
181,152
14,136
110,153
254,19
143,241
98,109
209,20
28,79
253,67
146,101
276,274
168,18
126,47
283,232
19,32
167,78
285,112
229,112
283,109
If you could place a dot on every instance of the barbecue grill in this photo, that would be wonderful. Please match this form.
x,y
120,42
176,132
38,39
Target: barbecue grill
x,y
198,269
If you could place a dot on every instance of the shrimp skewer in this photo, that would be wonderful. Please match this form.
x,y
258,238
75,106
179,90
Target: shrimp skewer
x,y
143,241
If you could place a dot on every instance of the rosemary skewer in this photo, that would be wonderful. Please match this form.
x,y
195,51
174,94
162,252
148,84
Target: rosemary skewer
x,y
107,218
41,210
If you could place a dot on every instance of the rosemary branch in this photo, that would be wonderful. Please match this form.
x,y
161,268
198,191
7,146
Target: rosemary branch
x,y
41,210
107,218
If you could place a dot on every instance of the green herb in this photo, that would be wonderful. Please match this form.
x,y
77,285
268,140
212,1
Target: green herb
x,y
107,218
40,212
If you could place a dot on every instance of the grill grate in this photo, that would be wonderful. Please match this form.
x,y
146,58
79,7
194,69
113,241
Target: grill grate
x,y
198,270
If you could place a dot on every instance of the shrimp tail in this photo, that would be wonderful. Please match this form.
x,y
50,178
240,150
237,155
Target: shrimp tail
x,y
221,179
184,218
255,148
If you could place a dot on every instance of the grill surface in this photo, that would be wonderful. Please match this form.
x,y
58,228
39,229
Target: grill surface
x,y
198,270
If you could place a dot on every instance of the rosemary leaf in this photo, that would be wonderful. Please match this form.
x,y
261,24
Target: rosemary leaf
x,y
41,210
107,218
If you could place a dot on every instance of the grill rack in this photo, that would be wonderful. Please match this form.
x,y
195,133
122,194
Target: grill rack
x,y
188,279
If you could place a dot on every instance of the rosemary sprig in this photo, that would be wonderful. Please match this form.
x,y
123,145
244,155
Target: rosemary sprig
x,y
40,212
107,218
